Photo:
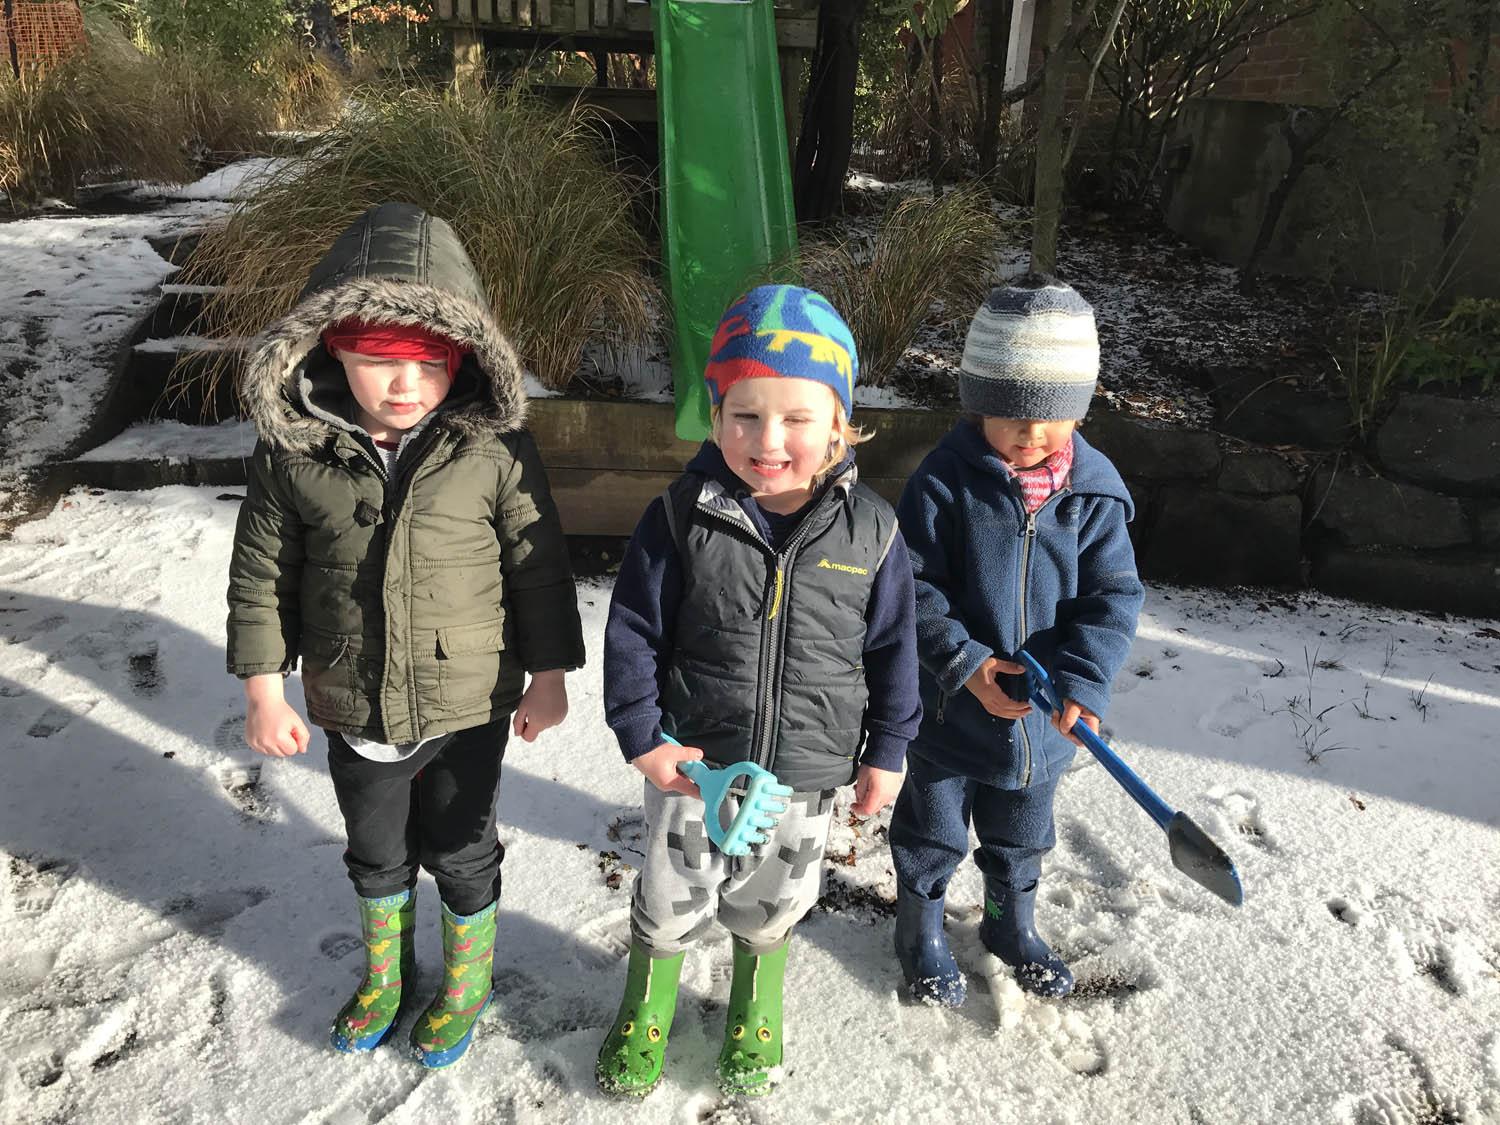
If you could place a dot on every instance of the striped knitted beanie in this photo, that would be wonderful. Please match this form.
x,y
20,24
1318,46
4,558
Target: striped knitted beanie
x,y
1031,353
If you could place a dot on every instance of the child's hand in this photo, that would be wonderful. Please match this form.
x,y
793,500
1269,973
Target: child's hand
x,y
544,704
991,695
272,725
874,788
1073,712
660,767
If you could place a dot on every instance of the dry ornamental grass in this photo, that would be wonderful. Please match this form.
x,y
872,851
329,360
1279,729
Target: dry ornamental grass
x,y
544,217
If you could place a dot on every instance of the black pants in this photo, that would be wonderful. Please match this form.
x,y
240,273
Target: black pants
x,y
436,809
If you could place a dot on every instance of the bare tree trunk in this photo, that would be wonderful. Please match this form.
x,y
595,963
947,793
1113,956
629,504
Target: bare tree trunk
x,y
994,44
325,34
935,138
1469,105
1088,90
1046,214
1303,144
827,137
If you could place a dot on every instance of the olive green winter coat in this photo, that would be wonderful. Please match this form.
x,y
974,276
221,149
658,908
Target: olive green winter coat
x,y
414,603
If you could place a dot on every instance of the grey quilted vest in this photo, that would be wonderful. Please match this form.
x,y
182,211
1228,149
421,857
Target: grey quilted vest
x,y
768,656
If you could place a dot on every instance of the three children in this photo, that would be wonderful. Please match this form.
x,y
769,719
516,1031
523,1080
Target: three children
x,y
398,537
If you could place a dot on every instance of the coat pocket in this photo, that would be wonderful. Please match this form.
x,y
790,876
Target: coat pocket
x,y
468,658
329,661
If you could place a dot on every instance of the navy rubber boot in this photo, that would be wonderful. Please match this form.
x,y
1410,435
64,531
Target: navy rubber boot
x,y
1008,931
932,975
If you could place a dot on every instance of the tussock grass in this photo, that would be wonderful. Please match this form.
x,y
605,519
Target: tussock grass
x,y
118,112
545,219
85,116
925,252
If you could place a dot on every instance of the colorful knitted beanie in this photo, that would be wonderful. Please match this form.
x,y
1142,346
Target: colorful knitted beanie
x,y
783,330
1031,353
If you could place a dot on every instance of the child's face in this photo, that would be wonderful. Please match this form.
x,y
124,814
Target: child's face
x,y
1024,443
394,394
775,434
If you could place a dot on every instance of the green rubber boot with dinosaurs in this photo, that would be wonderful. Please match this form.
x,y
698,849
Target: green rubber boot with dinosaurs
x,y
752,1049
390,959
444,1031
634,1052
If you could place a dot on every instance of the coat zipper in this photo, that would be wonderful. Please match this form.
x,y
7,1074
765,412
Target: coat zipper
x,y
1029,536
772,631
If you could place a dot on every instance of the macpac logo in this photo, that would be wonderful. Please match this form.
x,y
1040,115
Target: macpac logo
x,y
824,564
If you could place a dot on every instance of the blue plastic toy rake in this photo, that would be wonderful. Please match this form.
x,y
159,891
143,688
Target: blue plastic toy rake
x,y
761,805
1193,852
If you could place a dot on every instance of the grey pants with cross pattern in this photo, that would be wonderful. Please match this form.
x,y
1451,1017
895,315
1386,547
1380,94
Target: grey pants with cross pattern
x,y
685,883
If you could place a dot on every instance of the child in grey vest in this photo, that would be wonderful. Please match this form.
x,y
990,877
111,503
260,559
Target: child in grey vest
x,y
764,613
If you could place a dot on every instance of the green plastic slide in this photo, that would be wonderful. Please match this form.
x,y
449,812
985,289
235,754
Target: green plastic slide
x,y
726,181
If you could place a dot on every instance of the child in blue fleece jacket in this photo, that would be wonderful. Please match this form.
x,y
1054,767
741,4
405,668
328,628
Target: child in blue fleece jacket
x,y
764,611
1016,528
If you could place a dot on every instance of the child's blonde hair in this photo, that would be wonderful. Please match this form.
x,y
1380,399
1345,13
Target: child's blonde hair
x,y
845,434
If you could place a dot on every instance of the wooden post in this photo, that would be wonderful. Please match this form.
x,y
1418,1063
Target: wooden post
x,y
468,60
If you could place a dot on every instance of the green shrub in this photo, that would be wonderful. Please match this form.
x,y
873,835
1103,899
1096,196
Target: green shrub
x,y
239,31
925,252
1463,346
544,217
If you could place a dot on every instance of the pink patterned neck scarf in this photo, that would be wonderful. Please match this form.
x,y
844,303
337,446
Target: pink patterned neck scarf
x,y
1040,481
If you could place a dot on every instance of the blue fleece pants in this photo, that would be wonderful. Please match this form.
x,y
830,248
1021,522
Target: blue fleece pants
x,y
930,828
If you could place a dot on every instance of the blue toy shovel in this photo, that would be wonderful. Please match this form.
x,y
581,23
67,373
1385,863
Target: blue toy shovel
x,y
1193,853
761,805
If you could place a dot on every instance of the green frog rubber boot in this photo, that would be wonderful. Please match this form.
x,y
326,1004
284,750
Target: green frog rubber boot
x,y
443,1032
631,1058
752,1031
390,958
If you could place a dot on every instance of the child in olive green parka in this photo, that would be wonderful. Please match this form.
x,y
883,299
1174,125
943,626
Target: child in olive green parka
x,y
398,538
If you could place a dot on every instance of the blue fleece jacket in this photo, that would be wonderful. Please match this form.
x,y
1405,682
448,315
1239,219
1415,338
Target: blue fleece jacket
x,y
643,618
990,581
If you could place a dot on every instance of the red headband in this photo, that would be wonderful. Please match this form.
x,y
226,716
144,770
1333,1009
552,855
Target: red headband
x,y
394,341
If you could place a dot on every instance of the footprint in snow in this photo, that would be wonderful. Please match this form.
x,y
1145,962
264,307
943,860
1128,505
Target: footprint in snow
x,y
207,915
1423,945
40,1071
229,735
242,783
337,946
605,941
1241,812
35,881
22,632
531,1010
1115,975
1234,716
1417,1101
54,720
146,678
1067,1032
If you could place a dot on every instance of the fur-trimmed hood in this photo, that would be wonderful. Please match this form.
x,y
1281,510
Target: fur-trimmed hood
x,y
394,264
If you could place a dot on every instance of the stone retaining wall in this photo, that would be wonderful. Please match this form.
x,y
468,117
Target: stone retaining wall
x,y
1418,525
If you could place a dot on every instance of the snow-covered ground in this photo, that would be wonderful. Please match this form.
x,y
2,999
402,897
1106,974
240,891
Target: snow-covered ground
x,y
70,290
179,931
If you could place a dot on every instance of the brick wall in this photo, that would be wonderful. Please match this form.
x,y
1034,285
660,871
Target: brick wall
x,y
1282,66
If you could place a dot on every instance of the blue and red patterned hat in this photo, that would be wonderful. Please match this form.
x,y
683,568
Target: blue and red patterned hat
x,y
786,331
